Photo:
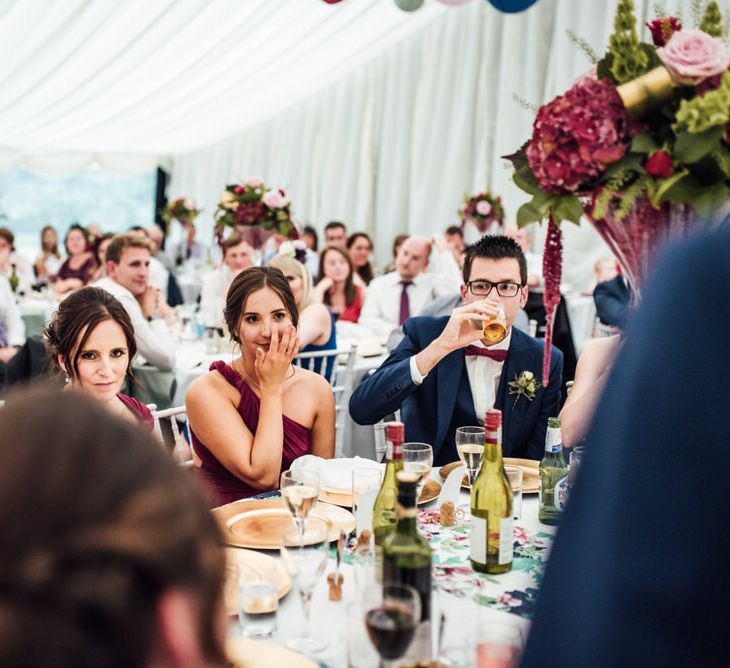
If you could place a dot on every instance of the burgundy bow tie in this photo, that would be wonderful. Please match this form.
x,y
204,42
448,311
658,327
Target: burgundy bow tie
x,y
496,355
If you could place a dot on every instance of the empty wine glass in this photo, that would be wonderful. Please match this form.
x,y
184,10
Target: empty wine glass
x,y
470,446
393,613
304,556
418,458
300,491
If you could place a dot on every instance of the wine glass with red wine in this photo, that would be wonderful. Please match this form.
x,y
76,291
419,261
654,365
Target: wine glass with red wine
x,y
391,620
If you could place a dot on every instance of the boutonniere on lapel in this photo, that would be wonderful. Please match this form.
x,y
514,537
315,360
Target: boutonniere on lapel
x,y
524,385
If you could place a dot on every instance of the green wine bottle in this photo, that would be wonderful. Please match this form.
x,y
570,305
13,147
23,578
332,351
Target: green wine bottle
x,y
407,561
14,280
491,542
553,491
384,517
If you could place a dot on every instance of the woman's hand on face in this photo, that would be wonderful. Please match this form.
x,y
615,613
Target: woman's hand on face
x,y
272,366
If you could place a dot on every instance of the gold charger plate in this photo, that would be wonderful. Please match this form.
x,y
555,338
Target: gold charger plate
x,y
236,556
259,523
530,468
248,653
430,491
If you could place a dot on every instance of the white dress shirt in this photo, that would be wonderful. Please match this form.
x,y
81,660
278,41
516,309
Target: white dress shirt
x,y
484,375
381,308
23,270
10,315
152,344
213,291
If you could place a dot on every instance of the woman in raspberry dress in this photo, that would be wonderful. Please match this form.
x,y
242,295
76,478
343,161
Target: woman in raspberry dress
x,y
91,341
250,419
78,269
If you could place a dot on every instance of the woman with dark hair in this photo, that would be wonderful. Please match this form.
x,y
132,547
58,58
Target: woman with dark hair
x,y
310,238
360,246
49,259
100,245
250,419
336,287
78,268
114,561
91,341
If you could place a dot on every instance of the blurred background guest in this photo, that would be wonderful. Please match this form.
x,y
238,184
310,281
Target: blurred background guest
x,y
251,418
91,341
12,262
397,243
12,328
360,247
310,238
48,261
115,560
603,270
102,243
79,267
156,236
335,234
612,302
237,256
336,286
187,248
454,237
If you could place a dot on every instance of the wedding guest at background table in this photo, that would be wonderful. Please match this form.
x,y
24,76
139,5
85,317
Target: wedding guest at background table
x,y
12,328
48,261
127,269
393,298
102,243
336,286
188,248
91,342
157,237
316,329
454,237
237,256
639,557
79,267
114,559
603,270
159,277
443,375
94,232
612,300
310,238
9,257
360,247
397,243
335,234
250,419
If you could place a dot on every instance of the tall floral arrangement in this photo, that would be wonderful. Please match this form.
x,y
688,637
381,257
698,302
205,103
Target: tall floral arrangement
x,y
182,209
482,209
255,210
640,144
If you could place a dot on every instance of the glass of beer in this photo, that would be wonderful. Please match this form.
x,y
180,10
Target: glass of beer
x,y
495,330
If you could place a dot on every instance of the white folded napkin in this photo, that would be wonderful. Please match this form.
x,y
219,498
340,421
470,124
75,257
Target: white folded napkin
x,y
335,475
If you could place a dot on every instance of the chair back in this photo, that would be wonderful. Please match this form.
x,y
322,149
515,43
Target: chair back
x,y
340,377
182,451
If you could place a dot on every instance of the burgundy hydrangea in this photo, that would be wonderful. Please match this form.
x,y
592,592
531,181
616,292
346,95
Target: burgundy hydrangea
x,y
663,28
577,135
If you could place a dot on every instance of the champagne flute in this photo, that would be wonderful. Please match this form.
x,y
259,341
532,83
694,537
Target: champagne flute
x,y
418,458
300,491
392,615
470,446
304,556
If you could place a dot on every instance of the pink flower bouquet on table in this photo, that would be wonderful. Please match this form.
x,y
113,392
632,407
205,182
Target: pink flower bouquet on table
x,y
640,144
256,211
482,209
182,209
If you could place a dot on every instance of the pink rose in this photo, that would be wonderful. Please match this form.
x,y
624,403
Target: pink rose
x,y
483,207
274,199
692,55
589,75
254,181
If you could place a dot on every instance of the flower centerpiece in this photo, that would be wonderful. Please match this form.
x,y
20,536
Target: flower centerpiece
x,y
181,209
482,209
640,144
256,211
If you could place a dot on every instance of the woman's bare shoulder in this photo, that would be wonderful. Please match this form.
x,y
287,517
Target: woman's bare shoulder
x,y
210,385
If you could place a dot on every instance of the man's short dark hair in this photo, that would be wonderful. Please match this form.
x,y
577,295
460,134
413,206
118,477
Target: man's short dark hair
x,y
495,247
334,224
455,229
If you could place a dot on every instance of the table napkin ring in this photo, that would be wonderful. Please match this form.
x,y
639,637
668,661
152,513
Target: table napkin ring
x,y
447,514
335,584
363,541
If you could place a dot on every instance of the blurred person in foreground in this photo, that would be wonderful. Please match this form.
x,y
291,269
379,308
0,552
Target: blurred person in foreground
x,y
108,555
638,561
90,340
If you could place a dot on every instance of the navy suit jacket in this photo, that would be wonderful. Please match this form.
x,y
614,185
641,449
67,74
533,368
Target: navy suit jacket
x,y
612,302
635,575
433,410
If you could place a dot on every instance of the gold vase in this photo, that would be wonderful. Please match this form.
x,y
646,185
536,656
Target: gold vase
x,y
647,92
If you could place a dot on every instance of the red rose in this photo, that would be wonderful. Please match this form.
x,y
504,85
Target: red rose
x,y
239,189
659,165
662,29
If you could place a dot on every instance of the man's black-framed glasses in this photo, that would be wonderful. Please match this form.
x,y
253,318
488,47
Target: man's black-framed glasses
x,y
482,288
